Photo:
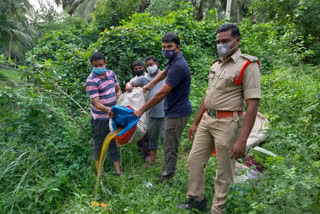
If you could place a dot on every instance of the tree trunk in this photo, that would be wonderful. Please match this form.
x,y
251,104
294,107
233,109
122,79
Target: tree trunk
x,y
228,9
200,11
238,13
144,5
10,46
198,5
74,6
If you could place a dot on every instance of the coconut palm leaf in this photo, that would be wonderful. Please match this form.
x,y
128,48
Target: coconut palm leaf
x,y
6,25
85,9
15,31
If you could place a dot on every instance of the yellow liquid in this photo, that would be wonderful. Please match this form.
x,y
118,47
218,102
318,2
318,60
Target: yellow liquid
x,y
102,156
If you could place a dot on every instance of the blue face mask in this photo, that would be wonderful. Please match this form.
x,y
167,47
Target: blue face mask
x,y
169,54
99,71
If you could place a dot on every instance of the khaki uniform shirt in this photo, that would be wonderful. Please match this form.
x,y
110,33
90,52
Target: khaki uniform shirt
x,y
223,94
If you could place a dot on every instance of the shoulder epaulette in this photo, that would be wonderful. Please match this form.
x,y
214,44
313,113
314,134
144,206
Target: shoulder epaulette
x,y
249,57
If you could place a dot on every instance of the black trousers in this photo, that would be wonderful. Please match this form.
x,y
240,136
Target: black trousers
x,y
101,130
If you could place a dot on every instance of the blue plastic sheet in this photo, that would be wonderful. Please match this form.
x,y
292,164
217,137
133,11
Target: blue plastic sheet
x,y
123,117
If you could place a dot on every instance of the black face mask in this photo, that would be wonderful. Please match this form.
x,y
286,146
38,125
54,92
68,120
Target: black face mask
x,y
169,54
139,73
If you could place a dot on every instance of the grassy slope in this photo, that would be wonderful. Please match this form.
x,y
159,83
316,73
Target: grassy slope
x,y
132,192
11,75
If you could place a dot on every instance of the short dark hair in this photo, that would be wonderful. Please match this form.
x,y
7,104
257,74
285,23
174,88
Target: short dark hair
x,y
151,57
229,26
171,37
97,56
138,63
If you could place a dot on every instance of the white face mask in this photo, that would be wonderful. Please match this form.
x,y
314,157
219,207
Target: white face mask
x,y
152,69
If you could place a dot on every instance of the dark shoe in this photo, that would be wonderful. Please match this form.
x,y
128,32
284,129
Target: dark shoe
x,y
194,204
118,174
165,179
161,179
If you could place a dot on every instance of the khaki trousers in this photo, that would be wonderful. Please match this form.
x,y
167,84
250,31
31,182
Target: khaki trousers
x,y
219,134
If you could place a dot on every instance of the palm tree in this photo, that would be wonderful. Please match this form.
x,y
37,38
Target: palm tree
x,y
72,4
233,10
85,9
15,29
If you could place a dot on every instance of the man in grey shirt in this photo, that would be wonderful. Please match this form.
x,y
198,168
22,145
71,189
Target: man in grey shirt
x,y
155,115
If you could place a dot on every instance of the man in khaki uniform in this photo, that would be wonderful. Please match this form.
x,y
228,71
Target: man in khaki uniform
x,y
233,80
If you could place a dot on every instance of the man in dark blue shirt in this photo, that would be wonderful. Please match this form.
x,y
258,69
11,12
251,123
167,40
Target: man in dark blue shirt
x,y
177,107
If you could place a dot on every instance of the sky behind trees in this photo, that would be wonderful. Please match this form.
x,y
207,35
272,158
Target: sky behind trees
x,y
36,5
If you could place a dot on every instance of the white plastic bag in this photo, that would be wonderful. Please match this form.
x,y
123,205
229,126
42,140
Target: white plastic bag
x,y
135,100
259,131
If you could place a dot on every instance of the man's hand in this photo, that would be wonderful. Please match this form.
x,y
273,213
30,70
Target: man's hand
x,y
110,113
146,88
138,113
129,88
238,150
191,131
96,102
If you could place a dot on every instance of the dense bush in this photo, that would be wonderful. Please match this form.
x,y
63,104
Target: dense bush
x,y
60,57
110,12
142,37
301,16
163,7
60,63
43,154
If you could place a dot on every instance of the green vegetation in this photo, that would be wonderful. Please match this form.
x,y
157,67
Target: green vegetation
x,y
291,183
11,75
46,156
15,33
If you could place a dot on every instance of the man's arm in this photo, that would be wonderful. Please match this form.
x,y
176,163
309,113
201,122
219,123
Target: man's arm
x,y
118,91
196,121
96,102
130,85
161,76
160,95
239,148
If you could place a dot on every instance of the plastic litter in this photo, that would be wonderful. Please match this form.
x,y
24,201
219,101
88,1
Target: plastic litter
x,y
148,184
